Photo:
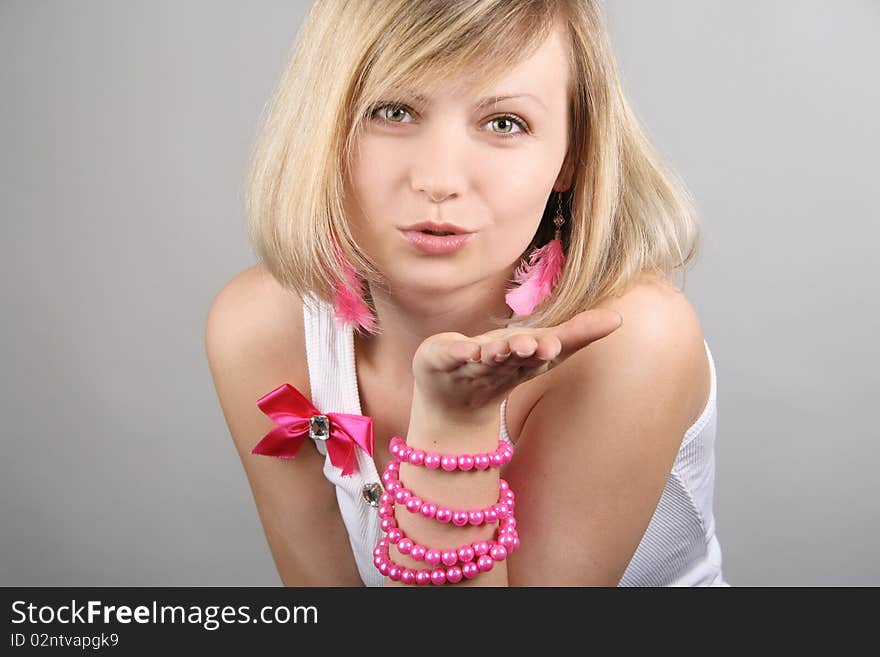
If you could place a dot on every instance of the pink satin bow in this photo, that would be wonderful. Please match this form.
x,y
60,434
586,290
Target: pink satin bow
x,y
292,414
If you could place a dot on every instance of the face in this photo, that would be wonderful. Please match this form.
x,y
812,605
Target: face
x,y
488,170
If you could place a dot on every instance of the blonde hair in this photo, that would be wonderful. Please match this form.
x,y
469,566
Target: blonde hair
x,y
626,213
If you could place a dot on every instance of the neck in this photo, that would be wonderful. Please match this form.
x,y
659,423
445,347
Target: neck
x,y
410,315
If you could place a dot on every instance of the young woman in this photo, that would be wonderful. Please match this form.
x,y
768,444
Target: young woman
x,y
375,374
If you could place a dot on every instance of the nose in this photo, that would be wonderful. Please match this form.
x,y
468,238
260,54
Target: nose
x,y
439,171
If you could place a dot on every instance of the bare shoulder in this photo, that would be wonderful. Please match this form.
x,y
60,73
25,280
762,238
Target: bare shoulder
x,y
254,306
254,342
604,437
661,332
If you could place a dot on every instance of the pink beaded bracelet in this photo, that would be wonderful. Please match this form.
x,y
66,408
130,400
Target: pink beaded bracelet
x,y
437,576
448,462
506,541
397,492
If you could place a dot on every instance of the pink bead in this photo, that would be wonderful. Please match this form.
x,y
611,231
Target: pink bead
x,y
432,557
449,557
465,462
481,548
482,461
449,463
506,540
443,514
498,552
404,453
450,566
432,461
394,447
417,457
496,460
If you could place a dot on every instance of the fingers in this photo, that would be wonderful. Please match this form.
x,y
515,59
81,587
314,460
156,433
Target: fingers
x,y
531,350
463,351
497,351
525,350
448,351
522,350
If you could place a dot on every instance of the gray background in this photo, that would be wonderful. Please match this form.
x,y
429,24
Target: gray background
x,y
125,132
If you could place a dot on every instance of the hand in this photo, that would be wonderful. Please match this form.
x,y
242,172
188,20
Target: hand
x,y
464,380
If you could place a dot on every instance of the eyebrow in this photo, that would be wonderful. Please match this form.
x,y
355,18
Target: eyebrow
x,y
489,100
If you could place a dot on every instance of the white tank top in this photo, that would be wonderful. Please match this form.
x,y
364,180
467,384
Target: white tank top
x,y
679,547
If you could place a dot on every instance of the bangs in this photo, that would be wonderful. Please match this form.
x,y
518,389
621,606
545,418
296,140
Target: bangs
x,y
427,45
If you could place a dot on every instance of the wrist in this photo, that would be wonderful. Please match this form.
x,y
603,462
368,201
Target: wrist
x,y
434,428
420,547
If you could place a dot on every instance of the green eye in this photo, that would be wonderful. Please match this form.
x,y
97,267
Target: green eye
x,y
382,112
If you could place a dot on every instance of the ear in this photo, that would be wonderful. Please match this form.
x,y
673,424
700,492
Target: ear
x,y
563,181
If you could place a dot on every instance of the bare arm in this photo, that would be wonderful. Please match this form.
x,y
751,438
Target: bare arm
x,y
251,349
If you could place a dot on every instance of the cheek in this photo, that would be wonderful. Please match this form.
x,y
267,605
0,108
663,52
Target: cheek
x,y
504,244
370,183
517,198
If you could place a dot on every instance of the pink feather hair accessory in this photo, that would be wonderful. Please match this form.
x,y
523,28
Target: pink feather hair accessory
x,y
536,278
350,307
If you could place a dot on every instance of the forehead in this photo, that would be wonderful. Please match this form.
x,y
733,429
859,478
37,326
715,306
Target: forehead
x,y
547,66
543,74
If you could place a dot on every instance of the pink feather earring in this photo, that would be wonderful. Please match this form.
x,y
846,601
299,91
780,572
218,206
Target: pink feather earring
x,y
541,273
350,307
